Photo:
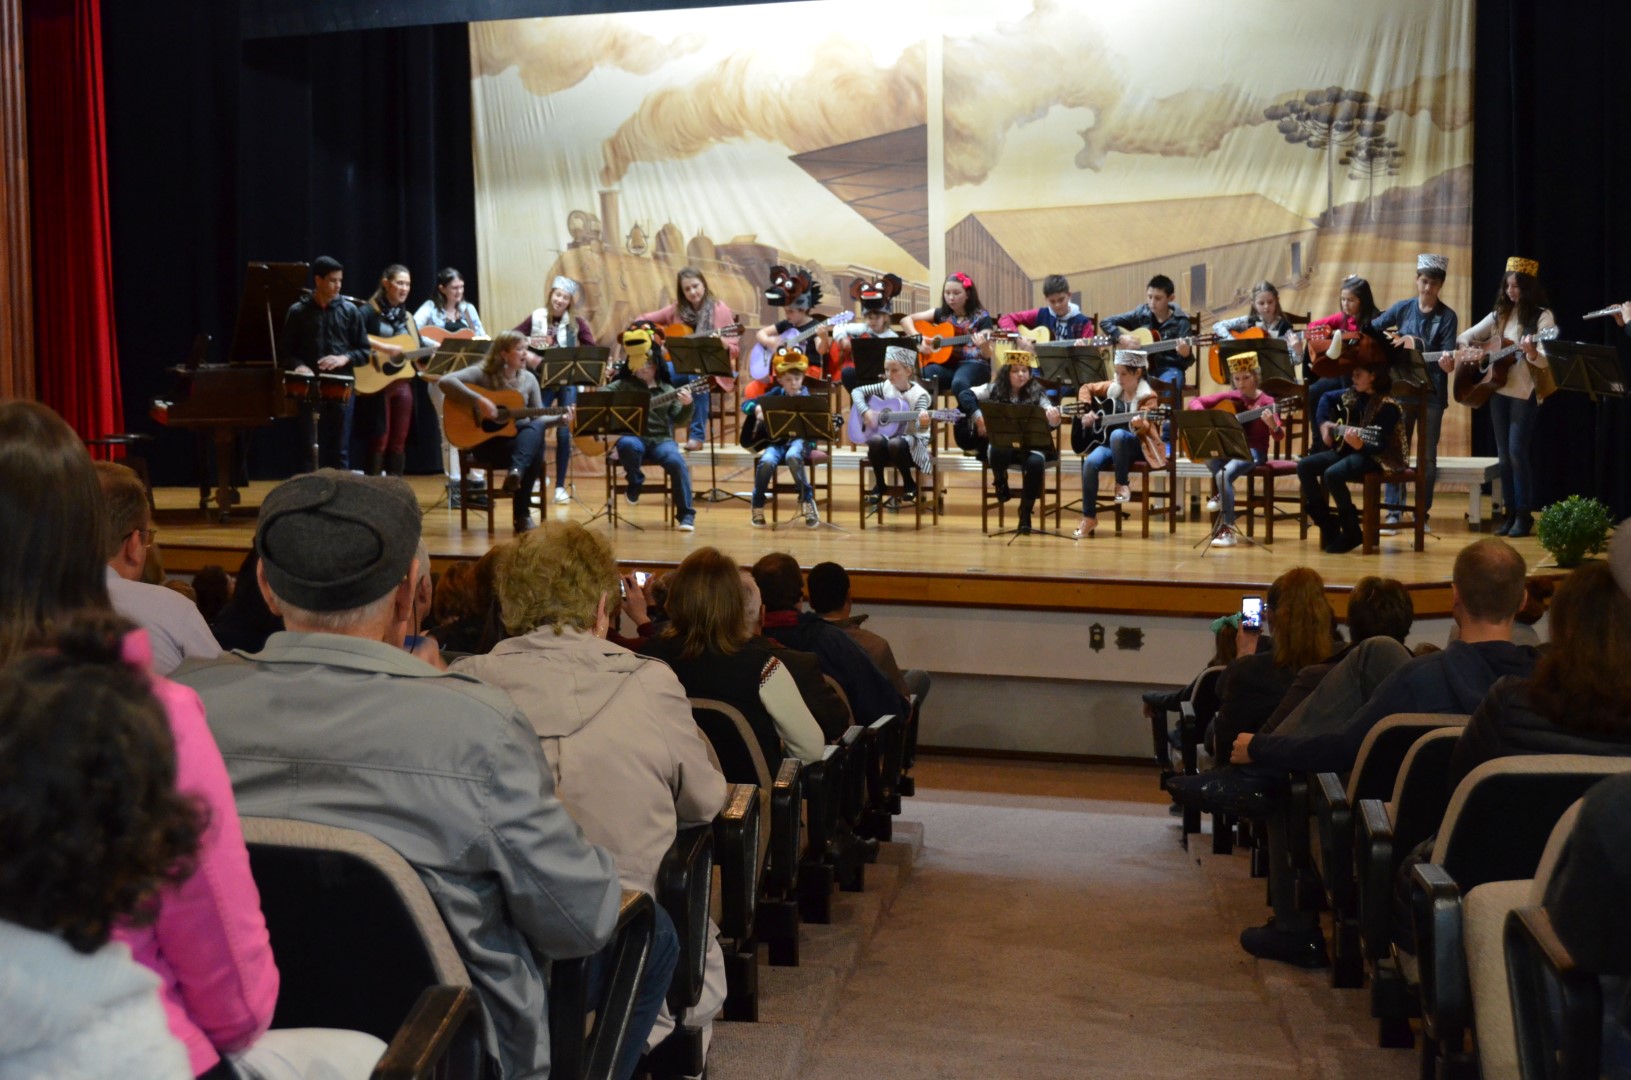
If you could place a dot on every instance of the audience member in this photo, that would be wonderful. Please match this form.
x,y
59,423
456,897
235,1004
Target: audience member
x,y
478,626
212,588
177,630
628,760
821,695
781,585
437,766
246,622
183,588
828,587
91,826
709,645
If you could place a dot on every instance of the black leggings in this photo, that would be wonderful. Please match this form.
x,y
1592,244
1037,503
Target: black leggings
x,y
896,451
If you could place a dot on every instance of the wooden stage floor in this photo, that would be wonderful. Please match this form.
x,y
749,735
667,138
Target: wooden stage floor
x,y
953,564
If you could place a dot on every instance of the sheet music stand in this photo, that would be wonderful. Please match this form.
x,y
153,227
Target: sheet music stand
x,y
1593,370
572,365
1020,428
703,354
809,418
1273,356
870,352
1069,364
452,355
1205,434
1410,368
610,414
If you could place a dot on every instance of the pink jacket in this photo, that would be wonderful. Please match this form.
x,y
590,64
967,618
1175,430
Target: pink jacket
x,y
209,945
665,316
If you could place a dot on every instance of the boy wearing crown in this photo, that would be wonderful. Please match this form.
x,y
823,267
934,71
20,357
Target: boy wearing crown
x,y
789,366
656,443
1244,395
1425,323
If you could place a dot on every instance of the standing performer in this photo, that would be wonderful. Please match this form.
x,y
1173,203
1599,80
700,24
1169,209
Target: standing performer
x,y
449,311
1127,392
1425,323
1014,385
698,308
505,368
1357,311
1520,313
960,306
1244,396
1060,316
1159,314
656,443
789,366
1360,431
557,325
909,449
389,413
324,333
875,297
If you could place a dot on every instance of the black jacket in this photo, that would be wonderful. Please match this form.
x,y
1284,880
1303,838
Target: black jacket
x,y
1506,724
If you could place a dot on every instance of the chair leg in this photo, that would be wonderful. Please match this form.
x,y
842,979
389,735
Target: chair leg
x,y
1371,515
1144,488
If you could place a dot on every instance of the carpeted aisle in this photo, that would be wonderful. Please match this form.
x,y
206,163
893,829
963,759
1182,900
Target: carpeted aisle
x,y
1050,937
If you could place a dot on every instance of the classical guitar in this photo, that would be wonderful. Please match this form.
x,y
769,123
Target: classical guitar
x,y
381,371
1358,349
1215,363
759,359
465,427
1370,436
1246,416
1151,341
894,415
1477,380
680,329
942,338
1085,435
438,335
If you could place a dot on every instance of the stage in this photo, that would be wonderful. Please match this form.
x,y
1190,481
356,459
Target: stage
x,y
950,565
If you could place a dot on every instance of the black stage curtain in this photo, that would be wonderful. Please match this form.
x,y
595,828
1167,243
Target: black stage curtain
x,y
1551,165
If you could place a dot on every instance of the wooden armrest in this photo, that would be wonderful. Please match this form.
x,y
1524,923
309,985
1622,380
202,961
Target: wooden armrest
x,y
424,1037
1374,870
736,850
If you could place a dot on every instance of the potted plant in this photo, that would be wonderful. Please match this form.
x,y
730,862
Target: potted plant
x,y
1574,528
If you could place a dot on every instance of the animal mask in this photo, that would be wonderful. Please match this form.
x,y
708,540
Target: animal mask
x,y
789,289
875,295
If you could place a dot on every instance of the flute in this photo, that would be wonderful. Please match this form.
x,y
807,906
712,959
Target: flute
x,y
1601,312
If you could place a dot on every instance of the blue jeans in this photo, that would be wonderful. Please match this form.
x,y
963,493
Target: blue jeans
x,y
561,395
1120,451
1325,477
648,1001
1514,421
1173,375
633,451
793,455
1224,471
699,416
1427,458
523,455
959,376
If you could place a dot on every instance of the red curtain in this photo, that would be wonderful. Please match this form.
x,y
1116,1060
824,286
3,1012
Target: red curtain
x,y
76,356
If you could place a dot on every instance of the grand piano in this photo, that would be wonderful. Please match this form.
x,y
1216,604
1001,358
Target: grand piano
x,y
222,401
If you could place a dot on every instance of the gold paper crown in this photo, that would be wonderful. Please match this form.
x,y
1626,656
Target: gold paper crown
x,y
1242,361
1515,265
790,360
1005,355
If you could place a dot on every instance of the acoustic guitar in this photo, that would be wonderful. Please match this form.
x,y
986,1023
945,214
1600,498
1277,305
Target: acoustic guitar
x,y
1151,341
381,371
942,338
465,427
1084,436
1477,380
438,335
759,359
894,415
1215,363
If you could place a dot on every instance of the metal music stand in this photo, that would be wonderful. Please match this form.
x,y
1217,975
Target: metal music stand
x,y
809,418
1068,364
1205,434
609,414
699,355
1020,428
1273,356
1593,370
870,352
572,365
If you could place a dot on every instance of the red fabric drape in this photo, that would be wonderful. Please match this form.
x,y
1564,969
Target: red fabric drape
x,y
76,356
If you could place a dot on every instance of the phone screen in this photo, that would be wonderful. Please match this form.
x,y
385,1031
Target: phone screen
x,y
1251,612
641,577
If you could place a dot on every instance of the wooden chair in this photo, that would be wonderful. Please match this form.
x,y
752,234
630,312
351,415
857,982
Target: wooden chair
x,y
1413,514
1052,491
930,487
617,485
817,467
1297,418
1172,499
492,496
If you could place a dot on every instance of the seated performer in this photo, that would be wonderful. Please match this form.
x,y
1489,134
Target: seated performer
x,y
1359,430
1265,313
556,325
1014,385
389,412
697,307
505,368
449,311
1357,312
910,449
1243,374
1060,317
789,366
795,294
1117,445
324,332
640,372
960,306
1159,314
1425,323
875,297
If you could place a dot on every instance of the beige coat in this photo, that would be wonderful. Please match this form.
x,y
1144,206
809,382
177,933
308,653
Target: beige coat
x,y
628,760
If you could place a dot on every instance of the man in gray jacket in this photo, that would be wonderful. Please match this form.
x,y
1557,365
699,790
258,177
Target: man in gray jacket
x,y
334,723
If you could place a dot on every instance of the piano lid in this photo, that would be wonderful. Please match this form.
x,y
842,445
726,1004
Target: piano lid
x,y
270,290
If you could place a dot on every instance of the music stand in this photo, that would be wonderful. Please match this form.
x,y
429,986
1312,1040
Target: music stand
x,y
452,355
1069,364
1273,356
572,365
809,418
870,353
1205,434
1410,368
1593,370
1021,428
609,414
703,354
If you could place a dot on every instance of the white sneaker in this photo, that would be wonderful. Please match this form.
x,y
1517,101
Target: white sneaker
x,y
1212,505
1390,526
1226,538
562,496
1123,493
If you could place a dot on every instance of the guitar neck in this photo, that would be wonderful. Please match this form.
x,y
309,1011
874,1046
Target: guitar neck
x,y
546,410
669,395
